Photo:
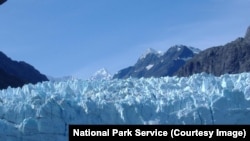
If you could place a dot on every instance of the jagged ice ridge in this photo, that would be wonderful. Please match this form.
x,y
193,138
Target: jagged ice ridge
x,y
44,111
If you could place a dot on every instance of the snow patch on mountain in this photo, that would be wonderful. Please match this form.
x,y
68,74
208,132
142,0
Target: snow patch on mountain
x,y
151,51
178,49
184,58
149,66
195,50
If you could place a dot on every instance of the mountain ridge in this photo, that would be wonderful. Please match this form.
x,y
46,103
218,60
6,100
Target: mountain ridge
x,y
2,1
18,73
156,64
231,58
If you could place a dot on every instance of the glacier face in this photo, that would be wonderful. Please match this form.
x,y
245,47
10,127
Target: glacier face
x,y
44,111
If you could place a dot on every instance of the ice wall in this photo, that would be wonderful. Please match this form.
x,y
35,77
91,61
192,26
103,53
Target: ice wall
x,y
43,111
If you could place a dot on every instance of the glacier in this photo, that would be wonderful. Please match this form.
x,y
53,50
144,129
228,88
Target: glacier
x,y
44,111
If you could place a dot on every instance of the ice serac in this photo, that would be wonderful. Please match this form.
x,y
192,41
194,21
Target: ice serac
x,y
44,111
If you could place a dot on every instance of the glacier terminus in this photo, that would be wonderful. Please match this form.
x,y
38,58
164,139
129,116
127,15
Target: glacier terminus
x,y
43,111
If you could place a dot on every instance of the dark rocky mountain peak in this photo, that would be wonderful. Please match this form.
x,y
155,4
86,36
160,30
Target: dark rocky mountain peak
x,y
180,52
247,36
2,1
231,58
17,73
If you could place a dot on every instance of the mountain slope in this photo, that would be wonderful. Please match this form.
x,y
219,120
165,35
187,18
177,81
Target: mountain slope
x,y
16,73
234,57
2,1
9,80
155,64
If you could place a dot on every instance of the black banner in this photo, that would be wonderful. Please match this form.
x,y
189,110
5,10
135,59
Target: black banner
x,y
220,132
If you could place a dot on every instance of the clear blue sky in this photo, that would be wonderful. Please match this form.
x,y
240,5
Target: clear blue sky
x,y
78,37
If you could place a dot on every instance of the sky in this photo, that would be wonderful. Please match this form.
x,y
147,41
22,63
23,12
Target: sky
x,y
77,38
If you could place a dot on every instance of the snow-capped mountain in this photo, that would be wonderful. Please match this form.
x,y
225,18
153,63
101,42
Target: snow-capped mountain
x,y
44,111
151,51
101,74
157,64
